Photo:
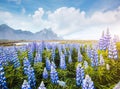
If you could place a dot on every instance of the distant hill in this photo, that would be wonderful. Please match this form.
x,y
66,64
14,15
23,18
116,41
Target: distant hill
x,y
9,33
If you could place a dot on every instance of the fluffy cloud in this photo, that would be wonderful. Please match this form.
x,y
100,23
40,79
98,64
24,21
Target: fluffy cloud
x,y
38,15
67,19
71,23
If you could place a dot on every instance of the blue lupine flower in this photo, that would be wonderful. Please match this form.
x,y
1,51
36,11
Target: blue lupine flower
x,y
64,49
32,46
94,59
71,49
53,64
30,55
45,73
3,56
48,64
85,64
102,41
79,56
59,49
42,44
54,75
41,47
42,86
87,83
102,62
26,64
25,85
112,51
12,57
31,77
15,59
3,84
38,58
62,61
70,59
107,39
53,52
79,75
89,52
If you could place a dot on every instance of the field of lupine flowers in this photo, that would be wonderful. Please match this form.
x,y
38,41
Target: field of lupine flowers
x,y
47,65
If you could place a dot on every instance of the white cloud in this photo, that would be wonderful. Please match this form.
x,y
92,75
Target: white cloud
x,y
66,19
71,23
38,21
23,11
38,15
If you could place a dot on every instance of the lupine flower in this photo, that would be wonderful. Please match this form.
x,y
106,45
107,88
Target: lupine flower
x,y
32,46
26,64
87,83
48,64
40,48
15,59
54,75
107,39
62,61
59,49
102,41
61,83
89,52
31,77
8,52
85,64
42,86
65,52
25,85
94,59
71,49
30,55
29,71
70,59
102,62
79,75
38,58
53,64
3,56
53,52
3,84
112,51
79,56
45,73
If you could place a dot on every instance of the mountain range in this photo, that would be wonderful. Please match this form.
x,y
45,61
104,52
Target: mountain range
x,y
9,33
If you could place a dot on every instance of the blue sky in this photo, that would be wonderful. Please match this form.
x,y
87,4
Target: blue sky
x,y
71,19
